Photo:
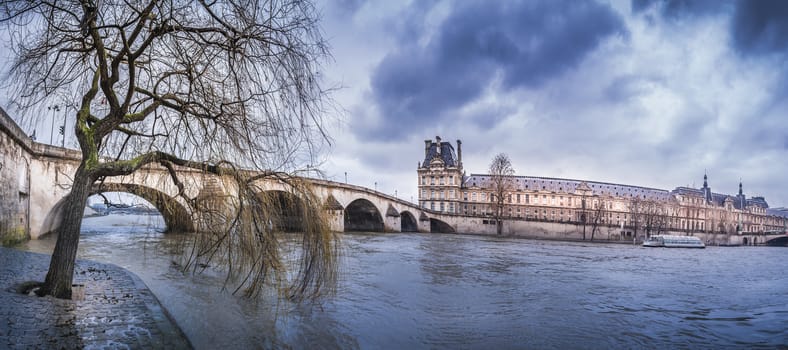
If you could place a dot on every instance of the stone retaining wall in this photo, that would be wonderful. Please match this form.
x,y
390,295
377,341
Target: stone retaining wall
x,y
14,182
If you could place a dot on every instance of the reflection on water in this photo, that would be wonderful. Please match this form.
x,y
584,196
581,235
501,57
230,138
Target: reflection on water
x,y
448,291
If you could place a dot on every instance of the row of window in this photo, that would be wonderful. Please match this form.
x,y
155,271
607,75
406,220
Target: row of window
x,y
531,199
437,194
441,180
441,206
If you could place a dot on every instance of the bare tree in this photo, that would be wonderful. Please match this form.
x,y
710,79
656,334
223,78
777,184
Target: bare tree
x,y
654,216
636,214
227,87
598,214
584,213
501,172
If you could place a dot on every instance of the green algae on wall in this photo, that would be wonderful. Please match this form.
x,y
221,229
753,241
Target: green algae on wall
x,y
12,236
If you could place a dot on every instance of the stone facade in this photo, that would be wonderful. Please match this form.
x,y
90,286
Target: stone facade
x,y
440,176
14,183
588,207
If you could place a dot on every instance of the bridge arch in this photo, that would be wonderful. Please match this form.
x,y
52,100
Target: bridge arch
x,y
176,216
781,241
286,210
438,226
408,222
362,215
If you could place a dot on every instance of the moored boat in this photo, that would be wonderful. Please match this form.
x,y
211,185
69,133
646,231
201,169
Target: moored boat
x,y
669,241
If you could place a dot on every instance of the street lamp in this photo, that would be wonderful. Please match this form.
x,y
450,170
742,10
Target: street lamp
x,y
346,177
55,108
376,186
63,128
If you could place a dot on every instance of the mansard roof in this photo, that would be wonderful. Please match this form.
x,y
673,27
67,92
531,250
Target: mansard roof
x,y
720,198
446,154
688,191
570,185
612,189
715,198
758,202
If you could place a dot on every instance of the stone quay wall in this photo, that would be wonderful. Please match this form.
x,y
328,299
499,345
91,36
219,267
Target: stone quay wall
x,y
574,232
15,156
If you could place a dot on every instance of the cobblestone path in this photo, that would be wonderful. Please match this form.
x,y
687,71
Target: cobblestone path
x,y
117,312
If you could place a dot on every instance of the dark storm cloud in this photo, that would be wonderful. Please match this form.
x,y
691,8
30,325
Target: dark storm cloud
x,y
760,27
524,43
682,8
757,26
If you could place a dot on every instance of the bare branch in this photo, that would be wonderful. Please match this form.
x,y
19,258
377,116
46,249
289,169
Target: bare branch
x,y
228,88
501,172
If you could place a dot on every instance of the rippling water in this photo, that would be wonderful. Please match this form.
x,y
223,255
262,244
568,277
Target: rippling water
x,y
406,291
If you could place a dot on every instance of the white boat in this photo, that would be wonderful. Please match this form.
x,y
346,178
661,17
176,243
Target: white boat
x,y
669,241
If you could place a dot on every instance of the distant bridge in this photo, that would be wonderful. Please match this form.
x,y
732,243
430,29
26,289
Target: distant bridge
x,y
772,239
41,176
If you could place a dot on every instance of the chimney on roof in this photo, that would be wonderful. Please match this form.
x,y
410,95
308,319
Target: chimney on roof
x,y
459,153
438,141
427,144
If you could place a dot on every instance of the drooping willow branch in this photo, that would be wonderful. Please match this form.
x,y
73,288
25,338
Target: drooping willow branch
x,y
228,88
243,230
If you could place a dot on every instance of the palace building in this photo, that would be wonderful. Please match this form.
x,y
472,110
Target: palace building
x,y
624,210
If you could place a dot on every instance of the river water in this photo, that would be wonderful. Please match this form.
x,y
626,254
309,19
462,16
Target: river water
x,y
411,291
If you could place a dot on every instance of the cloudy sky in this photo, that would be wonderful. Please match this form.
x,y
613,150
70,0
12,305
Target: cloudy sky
x,y
649,93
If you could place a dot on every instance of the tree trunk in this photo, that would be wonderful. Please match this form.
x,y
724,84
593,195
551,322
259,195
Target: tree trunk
x,y
61,267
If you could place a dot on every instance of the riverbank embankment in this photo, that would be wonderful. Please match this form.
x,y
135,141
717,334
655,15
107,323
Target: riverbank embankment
x,y
117,309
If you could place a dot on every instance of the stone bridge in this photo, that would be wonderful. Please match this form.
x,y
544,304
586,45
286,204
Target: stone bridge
x,y
773,239
36,179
